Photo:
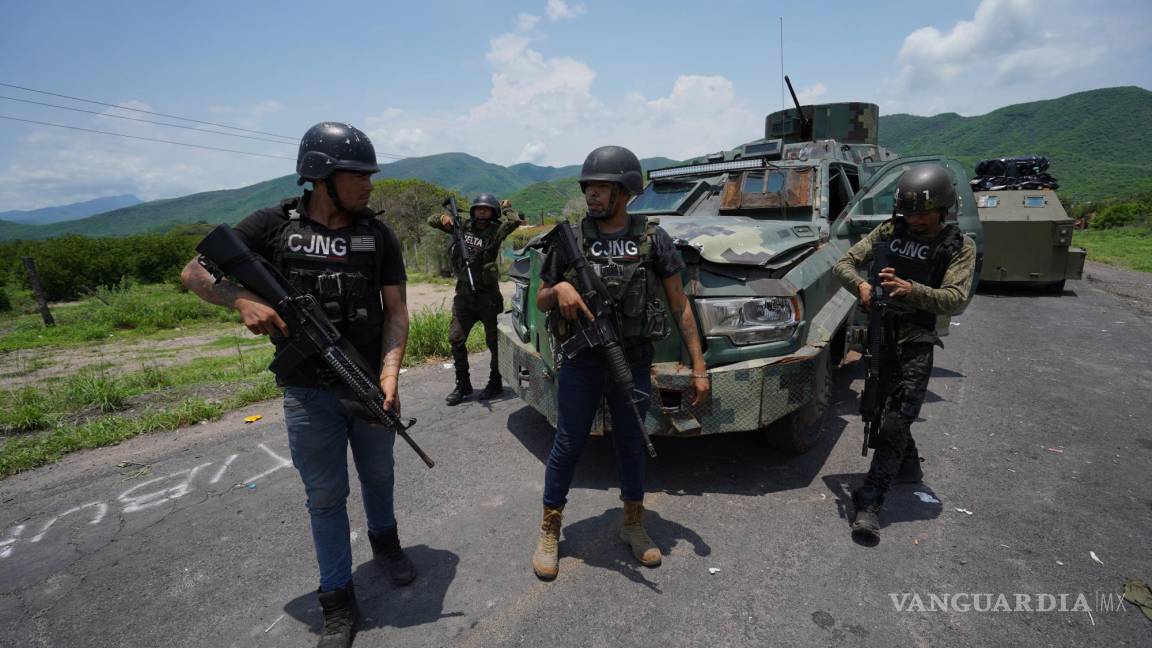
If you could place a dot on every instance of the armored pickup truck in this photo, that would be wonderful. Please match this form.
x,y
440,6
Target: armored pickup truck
x,y
760,228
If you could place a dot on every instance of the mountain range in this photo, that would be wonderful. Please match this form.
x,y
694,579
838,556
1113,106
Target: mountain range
x,y
1099,142
48,215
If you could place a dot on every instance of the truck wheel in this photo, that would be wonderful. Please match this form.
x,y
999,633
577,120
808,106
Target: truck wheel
x,y
799,431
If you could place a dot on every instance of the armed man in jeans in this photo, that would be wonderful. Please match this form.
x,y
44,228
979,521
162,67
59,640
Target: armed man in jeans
x,y
328,244
930,273
478,297
633,257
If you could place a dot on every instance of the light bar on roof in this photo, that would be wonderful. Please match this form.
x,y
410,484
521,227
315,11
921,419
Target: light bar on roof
x,y
699,169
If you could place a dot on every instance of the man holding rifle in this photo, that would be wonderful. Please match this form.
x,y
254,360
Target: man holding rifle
x,y
927,271
632,259
474,251
328,245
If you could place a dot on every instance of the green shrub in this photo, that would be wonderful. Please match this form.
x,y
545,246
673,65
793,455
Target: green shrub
x,y
5,301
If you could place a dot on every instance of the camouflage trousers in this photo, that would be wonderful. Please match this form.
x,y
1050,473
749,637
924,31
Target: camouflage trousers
x,y
912,368
468,309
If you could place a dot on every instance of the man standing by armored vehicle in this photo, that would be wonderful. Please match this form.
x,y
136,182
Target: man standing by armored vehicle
x,y
474,253
327,244
633,260
928,273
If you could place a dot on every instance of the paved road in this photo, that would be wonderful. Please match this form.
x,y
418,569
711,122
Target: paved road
x,y
1037,424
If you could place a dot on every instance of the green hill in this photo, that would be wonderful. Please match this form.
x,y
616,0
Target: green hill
x,y
227,206
1099,142
550,196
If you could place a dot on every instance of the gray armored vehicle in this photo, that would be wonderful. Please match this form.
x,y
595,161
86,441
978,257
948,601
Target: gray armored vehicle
x,y
760,228
1029,235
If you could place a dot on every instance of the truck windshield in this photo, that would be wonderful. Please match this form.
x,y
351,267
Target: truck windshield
x,y
663,197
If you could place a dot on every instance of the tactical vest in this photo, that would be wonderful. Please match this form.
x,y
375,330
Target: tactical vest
x,y
924,262
484,247
338,268
625,265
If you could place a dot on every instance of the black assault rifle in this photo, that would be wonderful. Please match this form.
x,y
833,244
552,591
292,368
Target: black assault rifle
x,y
310,333
881,341
603,332
458,234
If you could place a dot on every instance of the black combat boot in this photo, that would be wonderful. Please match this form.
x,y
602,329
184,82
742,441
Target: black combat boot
x,y
340,617
910,470
868,501
493,389
387,553
462,391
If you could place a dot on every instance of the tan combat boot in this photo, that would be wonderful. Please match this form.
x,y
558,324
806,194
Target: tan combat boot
x,y
546,559
633,534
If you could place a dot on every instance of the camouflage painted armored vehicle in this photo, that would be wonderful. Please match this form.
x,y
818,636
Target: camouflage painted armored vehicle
x,y
760,228
1029,235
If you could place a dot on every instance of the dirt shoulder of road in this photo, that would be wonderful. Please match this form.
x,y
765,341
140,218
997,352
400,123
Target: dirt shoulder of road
x,y
1132,286
27,367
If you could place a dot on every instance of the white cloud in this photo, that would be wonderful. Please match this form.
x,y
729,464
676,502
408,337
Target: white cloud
x,y
1010,51
55,167
560,10
811,94
526,22
533,152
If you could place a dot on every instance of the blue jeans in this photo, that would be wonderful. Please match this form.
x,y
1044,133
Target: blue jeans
x,y
577,400
319,433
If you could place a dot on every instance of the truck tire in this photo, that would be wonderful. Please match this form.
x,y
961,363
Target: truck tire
x,y
801,430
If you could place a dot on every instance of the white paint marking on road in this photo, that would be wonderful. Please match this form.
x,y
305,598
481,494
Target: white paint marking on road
x,y
927,498
155,498
220,473
1092,554
281,463
101,511
5,546
274,623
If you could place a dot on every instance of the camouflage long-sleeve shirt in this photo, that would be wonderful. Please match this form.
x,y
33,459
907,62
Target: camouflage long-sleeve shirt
x,y
948,299
486,242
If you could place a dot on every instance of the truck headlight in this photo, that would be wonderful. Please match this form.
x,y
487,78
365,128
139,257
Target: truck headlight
x,y
750,320
520,309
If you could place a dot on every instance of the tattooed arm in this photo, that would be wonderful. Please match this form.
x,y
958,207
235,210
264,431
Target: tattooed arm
x,y
258,315
689,333
395,340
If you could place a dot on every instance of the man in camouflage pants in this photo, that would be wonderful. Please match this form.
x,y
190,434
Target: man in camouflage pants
x,y
477,299
929,273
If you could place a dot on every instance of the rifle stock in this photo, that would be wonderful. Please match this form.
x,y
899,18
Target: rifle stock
x,y
222,253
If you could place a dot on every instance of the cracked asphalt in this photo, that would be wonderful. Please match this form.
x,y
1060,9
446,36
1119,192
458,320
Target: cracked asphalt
x,y
1038,450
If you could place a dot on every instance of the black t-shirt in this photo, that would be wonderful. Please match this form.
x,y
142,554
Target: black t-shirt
x,y
262,232
666,262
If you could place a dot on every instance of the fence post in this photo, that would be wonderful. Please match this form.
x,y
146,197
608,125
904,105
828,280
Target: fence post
x,y
38,290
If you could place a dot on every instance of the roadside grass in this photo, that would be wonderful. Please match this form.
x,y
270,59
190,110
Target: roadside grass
x,y
128,313
1128,247
94,406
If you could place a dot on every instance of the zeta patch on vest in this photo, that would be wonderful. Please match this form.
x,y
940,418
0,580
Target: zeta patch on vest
x,y
311,245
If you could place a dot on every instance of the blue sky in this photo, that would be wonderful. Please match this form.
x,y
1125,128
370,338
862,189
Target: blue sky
x,y
540,81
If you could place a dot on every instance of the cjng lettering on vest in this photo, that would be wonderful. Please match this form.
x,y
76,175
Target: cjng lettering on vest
x,y
909,249
614,248
318,244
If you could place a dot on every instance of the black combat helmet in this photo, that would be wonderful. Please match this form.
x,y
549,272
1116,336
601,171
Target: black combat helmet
x,y
485,200
333,146
613,164
925,188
